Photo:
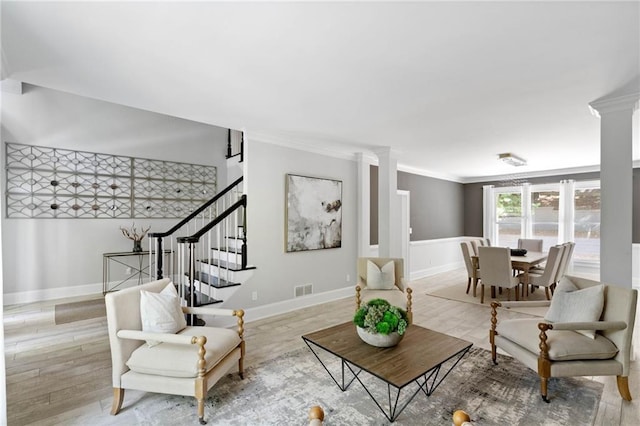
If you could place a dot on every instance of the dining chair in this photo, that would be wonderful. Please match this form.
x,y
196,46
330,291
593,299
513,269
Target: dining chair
x,y
548,276
495,264
473,274
530,244
479,242
571,246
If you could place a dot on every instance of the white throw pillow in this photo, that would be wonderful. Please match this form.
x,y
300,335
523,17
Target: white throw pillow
x,y
161,312
565,285
381,278
577,306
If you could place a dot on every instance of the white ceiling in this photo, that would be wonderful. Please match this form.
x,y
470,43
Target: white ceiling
x,y
447,85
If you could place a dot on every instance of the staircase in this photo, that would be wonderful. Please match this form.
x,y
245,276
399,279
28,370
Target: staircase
x,y
208,249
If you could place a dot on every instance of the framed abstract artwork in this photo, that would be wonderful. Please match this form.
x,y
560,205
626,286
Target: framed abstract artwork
x,y
313,214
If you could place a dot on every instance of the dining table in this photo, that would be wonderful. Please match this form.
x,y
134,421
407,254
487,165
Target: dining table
x,y
522,263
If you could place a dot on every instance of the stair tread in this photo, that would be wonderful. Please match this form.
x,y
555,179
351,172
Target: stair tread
x,y
216,282
201,298
228,249
230,266
204,300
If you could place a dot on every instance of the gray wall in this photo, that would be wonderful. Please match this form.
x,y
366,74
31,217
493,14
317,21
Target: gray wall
x,y
437,206
41,255
473,200
279,272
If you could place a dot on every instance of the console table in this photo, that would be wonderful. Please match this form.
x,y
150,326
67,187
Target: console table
x,y
134,260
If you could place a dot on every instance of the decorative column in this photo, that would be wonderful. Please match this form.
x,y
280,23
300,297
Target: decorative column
x,y
616,186
389,225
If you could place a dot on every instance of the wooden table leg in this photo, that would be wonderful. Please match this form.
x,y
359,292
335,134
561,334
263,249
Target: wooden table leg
x,y
525,279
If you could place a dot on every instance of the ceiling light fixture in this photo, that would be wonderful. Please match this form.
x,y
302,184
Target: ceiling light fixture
x,y
511,159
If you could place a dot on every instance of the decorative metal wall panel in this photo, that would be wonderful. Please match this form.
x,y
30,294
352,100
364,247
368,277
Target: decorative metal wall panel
x,y
59,183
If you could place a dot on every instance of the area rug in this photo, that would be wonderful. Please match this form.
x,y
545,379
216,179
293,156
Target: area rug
x,y
458,292
78,311
281,392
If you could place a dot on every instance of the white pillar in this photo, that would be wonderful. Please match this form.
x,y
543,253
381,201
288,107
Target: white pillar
x,y
616,186
364,205
389,225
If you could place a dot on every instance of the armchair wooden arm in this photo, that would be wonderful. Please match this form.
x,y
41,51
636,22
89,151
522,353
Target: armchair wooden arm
x,y
594,325
358,297
160,337
204,310
526,304
492,332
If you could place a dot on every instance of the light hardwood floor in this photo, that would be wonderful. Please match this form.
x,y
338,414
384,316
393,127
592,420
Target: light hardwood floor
x,y
55,372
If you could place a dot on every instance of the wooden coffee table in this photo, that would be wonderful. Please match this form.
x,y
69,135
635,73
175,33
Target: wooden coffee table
x,y
419,358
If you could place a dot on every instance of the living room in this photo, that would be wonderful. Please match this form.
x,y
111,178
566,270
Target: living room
x,y
101,106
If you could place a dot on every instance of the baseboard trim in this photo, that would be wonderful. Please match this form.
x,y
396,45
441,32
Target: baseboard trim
x,y
423,273
31,296
60,292
266,311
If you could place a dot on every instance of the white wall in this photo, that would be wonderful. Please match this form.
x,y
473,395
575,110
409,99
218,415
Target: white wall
x,y
50,258
279,272
430,257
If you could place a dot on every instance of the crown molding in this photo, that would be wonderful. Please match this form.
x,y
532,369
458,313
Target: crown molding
x,y
346,151
540,173
613,104
315,145
387,151
429,173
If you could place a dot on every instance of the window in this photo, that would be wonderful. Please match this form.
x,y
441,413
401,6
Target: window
x,y
508,218
555,213
545,205
586,226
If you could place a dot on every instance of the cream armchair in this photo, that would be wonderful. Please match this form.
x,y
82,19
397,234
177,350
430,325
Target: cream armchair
x,y
564,349
187,363
397,292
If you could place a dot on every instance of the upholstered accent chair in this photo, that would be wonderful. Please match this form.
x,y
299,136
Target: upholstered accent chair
x,y
381,277
567,342
495,267
188,362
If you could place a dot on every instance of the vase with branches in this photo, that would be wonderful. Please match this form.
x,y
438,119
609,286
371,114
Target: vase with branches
x,y
133,234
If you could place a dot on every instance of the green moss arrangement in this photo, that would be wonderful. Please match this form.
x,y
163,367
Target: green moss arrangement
x,y
379,316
